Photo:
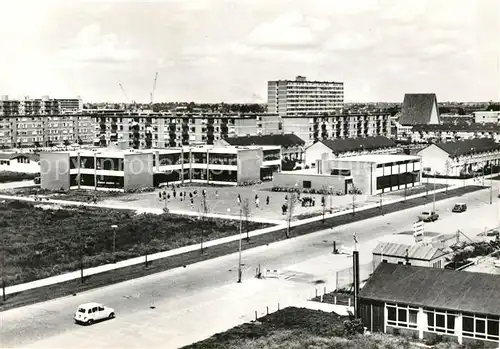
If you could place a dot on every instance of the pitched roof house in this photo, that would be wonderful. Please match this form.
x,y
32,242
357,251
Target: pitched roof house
x,y
349,146
454,158
421,254
420,108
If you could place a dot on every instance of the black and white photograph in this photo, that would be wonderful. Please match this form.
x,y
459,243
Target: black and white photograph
x,y
247,174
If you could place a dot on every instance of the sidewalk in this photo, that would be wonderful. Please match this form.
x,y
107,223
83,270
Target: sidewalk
x,y
134,261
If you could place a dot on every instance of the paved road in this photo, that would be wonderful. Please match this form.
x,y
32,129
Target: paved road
x,y
202,299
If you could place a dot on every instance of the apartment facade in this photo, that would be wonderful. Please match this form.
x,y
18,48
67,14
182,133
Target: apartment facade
x,y
131,169
301,96
40,106
175,130
45,130
334,126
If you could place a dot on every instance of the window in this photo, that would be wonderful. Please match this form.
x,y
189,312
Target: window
x,y
401,316
480,326
340,172
436,264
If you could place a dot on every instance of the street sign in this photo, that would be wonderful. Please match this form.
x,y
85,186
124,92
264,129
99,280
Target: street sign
x,y
418,231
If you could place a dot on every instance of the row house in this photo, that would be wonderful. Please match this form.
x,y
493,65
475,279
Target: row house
x,y
447,133
349,125
28,131
174,130
460,157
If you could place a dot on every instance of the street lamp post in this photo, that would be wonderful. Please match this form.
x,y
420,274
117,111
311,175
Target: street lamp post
x,y
353,199
491,183
331,199
95,171
434,194
78,169
239,248
114,226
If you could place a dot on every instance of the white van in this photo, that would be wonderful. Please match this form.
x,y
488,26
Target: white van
x,y
90,312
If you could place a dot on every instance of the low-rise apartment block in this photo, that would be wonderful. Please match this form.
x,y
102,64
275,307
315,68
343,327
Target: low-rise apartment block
x,y
45,130
334,126
487,117
40,106
107,168
174,130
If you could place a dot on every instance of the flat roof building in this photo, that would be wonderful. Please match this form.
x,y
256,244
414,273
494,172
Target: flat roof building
x,y
107,168
370,174
301,96
487,117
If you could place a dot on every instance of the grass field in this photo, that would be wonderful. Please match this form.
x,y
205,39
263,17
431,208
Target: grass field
x,y
38,242
298,328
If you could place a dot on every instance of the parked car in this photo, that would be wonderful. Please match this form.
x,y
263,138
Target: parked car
x,y
89,313
428,216
460,207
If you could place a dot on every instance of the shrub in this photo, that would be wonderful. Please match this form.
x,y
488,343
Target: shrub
x,y
353,327
434,339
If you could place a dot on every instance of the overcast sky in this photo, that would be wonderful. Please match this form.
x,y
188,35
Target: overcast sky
x,y
227,50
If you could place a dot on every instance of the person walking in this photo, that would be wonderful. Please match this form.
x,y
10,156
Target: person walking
x,y
192,203
216,194
257,201
267,200
239,199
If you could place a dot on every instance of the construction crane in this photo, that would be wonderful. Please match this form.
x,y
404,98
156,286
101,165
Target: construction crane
x,y
152,95
124,93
